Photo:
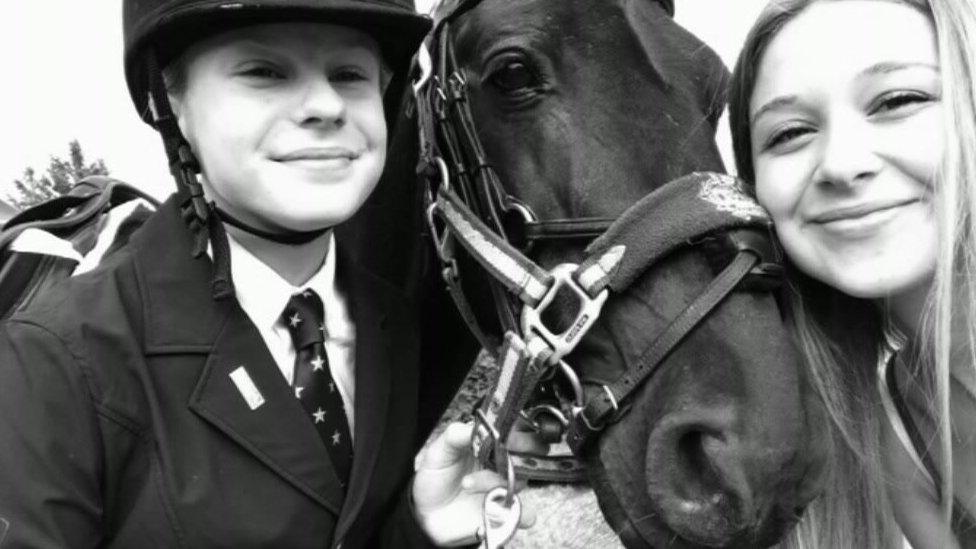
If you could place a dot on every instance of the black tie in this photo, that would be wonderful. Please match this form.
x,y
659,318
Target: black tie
x,y
314,385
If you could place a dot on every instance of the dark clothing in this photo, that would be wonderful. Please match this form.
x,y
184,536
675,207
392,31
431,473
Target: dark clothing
x,y
120,425
911,406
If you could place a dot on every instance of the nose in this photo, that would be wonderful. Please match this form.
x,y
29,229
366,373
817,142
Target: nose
x,y
847,152
712,488
320,105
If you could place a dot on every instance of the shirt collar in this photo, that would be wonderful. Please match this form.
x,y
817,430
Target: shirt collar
x,y
263,293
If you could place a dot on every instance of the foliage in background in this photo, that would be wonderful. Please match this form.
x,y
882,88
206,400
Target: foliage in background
x,y
61,175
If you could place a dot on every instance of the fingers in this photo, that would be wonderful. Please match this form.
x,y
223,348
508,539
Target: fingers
x,y
450,448
482,481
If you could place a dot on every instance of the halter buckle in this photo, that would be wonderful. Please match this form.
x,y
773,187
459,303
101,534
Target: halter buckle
x,y
564,342
443,245
425,64
483,429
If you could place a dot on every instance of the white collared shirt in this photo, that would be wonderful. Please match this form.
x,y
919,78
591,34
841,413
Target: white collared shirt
x,y
263,294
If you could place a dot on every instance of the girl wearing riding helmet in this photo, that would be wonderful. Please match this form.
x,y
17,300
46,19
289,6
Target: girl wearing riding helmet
x,y
856,121
231,377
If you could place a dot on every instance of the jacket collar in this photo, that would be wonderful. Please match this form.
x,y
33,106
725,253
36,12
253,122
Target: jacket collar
x,y
179,312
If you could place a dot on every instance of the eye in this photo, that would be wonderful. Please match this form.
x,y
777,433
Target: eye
x,y
262,72
350,74
899,101
784,137
513,75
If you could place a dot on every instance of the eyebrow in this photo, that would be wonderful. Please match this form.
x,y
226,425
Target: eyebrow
x,y
780,102
884,67
888,67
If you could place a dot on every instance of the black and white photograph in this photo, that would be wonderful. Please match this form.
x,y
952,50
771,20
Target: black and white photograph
x,y
525,274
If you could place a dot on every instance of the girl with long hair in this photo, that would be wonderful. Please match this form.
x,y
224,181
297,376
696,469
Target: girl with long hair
x,y
856,122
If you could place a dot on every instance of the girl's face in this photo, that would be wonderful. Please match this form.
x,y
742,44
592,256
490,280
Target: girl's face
x,y
287,122
847,125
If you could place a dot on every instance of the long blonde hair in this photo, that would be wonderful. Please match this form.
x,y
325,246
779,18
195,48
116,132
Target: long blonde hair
x,y
840,335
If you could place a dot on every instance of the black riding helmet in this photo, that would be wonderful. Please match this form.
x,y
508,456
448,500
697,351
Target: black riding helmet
x,y
156,32
169,26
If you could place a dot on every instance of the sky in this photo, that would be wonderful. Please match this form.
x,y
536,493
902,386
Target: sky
x,y
64,81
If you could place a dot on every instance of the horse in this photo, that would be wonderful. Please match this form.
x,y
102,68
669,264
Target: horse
x,y
583,109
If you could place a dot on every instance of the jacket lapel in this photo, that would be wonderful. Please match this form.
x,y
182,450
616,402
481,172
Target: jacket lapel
x,y
255,408
370,304
276,431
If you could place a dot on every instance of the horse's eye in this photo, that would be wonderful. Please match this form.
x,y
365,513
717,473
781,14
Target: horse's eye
x,y
513,76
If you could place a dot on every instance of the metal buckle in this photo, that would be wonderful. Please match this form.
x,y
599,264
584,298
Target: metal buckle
x,y
442,243
426,64
586,421
489,431
457,85
439,100
589,311
531,416
574,381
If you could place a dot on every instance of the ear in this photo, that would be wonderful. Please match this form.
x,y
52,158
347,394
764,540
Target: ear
x,y
178,105
647,20
679,57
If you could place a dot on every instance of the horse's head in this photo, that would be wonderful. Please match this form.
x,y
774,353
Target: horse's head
x,y
582,109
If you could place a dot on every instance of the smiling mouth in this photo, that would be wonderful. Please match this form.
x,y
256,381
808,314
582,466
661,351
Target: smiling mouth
x,y
318,154
858,212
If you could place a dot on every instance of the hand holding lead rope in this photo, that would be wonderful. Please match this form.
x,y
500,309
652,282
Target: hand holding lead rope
x,y
450,493
502,512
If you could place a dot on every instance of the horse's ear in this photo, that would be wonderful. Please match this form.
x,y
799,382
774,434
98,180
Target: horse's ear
x,y
668,6
684,63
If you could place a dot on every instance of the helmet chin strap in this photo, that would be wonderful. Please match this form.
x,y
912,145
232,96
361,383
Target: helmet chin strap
x,y
203,218
291,238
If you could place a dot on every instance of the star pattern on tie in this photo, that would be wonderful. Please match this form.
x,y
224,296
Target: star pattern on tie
x,y
314,386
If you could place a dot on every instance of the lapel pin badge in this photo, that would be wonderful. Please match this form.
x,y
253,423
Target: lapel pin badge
x,y
246,386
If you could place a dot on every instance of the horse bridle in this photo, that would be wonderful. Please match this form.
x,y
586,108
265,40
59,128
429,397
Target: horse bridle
x,y
466,204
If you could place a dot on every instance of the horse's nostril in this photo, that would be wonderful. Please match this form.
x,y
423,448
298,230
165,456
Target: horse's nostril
x,y
692,455
693,476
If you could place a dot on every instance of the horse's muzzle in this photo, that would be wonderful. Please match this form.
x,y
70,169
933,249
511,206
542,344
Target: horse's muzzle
x,y
714,489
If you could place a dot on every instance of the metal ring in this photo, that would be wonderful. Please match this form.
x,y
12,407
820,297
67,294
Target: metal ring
x,y
483,420
426,63
532,423
445,172
574,380
535,411
522,209
510,493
